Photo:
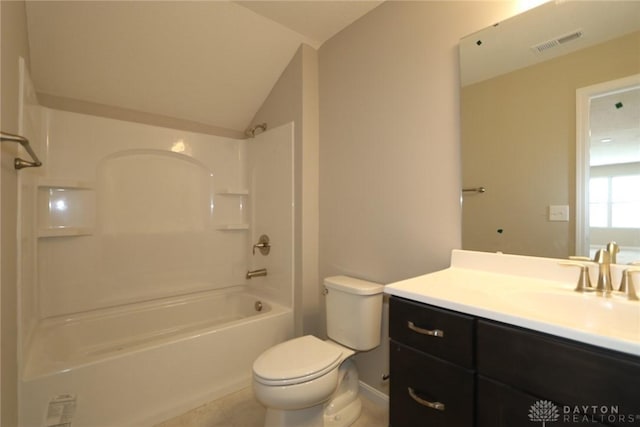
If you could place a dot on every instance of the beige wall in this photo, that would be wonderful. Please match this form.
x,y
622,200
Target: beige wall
x,y
294,97
14,45
519,133
389,144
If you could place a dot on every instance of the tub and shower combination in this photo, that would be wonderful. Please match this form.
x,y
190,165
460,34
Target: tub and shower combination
x,y
140,364
136,240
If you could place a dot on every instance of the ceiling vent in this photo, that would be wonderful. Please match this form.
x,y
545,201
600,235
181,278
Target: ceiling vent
x,y
541,47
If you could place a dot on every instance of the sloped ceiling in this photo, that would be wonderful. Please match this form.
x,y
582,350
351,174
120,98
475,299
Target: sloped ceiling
x,y
507,45
211,62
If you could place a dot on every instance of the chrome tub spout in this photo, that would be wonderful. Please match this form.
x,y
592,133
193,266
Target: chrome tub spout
x,y
256,273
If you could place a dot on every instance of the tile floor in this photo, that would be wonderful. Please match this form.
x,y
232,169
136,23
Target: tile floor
x,y
240,409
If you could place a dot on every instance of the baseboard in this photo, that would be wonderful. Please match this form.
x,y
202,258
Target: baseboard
x,y
377,397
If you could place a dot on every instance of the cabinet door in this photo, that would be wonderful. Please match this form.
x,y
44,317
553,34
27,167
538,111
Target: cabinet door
x,y
426,391
565,372
501,406
442,333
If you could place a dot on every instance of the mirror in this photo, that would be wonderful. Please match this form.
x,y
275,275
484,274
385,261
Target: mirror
x,y
608,168
519,81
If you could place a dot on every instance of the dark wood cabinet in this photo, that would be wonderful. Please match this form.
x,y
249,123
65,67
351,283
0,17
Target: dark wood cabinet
x,y
568,373
412,322
429,390
431,366
491,374
499,405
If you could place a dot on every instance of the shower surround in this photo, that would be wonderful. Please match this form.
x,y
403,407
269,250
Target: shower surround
x,y
135,243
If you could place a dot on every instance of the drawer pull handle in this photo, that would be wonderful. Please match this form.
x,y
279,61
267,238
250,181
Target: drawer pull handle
x,y
431,332
439,406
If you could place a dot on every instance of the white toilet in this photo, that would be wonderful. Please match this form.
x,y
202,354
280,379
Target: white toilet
x,y
308,382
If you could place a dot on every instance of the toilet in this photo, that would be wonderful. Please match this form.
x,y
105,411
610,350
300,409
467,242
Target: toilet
x,y
308,382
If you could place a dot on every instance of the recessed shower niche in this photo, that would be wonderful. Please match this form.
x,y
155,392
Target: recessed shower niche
x,y
232,209
65,208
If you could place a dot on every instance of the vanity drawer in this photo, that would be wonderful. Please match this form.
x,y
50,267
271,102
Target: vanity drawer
x,y
415,325
417,380
557,369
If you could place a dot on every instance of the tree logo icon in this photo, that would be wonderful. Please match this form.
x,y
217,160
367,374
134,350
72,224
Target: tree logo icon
x,y
543,410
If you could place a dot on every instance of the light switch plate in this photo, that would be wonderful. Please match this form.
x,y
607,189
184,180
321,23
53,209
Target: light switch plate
x,y
559,213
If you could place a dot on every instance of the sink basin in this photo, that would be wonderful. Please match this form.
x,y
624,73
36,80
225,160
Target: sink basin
x,y
611,316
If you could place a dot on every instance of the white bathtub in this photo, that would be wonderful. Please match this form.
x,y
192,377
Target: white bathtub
x,y
138,364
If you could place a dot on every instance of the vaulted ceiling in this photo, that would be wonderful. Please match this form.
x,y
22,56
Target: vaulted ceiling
x,y
211,62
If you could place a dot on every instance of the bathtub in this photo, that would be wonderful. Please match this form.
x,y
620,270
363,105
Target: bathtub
x,y
139,364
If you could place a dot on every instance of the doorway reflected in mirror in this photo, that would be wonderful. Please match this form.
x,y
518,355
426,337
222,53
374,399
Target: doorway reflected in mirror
x,y
610,133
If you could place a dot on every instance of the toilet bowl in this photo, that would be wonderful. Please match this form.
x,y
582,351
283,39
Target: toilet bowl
x,y
308,382
302,379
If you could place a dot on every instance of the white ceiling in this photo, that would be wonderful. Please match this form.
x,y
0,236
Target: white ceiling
x,y
212,62
507,45
317,20
615,127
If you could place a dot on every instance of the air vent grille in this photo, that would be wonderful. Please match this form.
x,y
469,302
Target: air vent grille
x,y
557,41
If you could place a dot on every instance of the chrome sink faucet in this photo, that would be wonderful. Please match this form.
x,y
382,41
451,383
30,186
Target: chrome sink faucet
x,y
603,259
613,249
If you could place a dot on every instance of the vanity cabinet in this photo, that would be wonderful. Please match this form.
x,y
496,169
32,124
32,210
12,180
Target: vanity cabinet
x,y
499,405
431,366
491,374
569,373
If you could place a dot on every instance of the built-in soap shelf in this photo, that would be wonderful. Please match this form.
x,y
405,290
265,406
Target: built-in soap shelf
x,y
65,183
231,211
65,232
232,227
65,207
233,192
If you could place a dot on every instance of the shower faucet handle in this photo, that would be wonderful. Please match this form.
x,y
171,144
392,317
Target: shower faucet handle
x,y
263,245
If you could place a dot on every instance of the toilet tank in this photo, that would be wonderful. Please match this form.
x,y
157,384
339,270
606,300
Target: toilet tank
x,y
354,312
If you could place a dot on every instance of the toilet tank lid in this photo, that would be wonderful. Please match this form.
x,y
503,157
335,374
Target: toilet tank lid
x,y
353,286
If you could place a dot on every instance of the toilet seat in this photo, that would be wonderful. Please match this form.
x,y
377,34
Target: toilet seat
x,y
296,361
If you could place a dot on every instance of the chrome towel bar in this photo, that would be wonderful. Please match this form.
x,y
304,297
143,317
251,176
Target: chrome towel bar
x,y
19,163
474,190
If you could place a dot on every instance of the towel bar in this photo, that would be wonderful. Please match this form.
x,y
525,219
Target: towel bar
x,y
19,163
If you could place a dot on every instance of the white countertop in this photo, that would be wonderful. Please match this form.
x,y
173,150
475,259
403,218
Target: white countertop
x,y
530,292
